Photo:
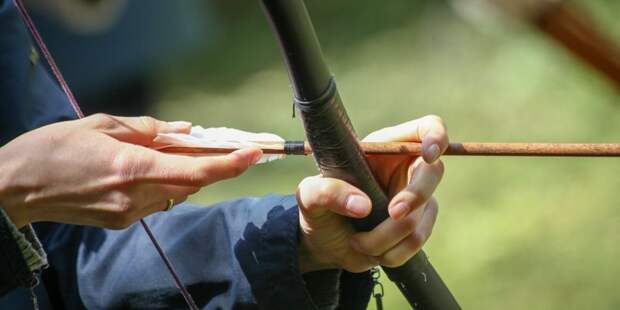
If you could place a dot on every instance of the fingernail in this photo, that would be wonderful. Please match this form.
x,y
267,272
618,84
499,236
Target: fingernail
x,y
358,205
180,124
432,153
399,210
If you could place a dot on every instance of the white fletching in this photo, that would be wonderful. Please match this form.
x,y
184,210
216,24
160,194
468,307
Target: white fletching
x,y
221,137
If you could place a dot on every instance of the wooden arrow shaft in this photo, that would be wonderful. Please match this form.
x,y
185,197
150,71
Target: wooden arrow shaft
x,y
458,149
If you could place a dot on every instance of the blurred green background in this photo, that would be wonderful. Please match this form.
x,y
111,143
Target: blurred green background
x,y
513,233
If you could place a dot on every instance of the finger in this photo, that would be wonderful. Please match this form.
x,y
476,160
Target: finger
x,y
128,206
178,194
156,193
140,164
136,130
430,130
317,195
160,206
409,246
386,235
424,181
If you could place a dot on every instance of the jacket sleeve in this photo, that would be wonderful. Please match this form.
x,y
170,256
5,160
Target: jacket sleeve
x,y
29,99
21,256
236,254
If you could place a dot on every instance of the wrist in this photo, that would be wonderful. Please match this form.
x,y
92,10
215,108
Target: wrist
x,y
16,212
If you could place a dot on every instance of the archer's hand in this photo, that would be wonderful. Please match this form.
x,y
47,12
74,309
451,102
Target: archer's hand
x,y
99,171
328,240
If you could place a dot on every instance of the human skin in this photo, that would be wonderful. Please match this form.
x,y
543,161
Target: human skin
x,y
99,171
329,241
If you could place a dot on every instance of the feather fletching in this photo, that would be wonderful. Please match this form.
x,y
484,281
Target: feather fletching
x,y
220,137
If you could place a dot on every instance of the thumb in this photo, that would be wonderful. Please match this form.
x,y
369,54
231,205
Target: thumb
x,y
317,195
136,130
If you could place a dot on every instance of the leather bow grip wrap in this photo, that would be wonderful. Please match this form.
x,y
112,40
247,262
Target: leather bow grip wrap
x,y
337,153
335,144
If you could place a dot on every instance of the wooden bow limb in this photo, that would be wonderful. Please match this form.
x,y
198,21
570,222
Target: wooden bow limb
x,y
456,149
568,25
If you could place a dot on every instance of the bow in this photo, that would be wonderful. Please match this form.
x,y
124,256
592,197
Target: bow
x,y
331,136
561,21
334,142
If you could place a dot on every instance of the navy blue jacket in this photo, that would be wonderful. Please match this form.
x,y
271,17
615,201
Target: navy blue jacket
x,y
238,254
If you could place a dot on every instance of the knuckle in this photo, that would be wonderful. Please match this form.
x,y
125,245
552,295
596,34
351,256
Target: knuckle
x,y
306,183
319,193
368,247
421,196
409,223
149,124
435,119
325,192
417,197
119,212
148,121
128,163
315,192
306,195
123,206
99,117
199,177
390,260
102,120
124,165
372,251
414,242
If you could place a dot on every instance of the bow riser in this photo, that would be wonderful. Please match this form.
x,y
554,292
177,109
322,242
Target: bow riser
x,y
334,142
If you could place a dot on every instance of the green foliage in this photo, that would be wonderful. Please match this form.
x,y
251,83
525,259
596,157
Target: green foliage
x,y
513,233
